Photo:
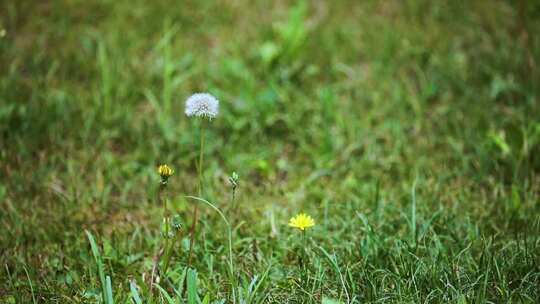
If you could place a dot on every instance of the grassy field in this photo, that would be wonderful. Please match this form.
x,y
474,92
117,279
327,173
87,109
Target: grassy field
x,y
409,131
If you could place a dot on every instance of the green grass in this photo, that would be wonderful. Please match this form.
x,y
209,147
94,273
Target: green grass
x,y
410,131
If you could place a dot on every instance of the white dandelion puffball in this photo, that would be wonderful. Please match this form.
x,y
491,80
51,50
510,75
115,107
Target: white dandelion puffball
x,y
202,105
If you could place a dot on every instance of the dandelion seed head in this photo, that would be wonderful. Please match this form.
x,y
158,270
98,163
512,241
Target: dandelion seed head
x,y
202,105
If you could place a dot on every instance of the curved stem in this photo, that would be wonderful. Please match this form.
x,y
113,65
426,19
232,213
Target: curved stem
x,y
229,231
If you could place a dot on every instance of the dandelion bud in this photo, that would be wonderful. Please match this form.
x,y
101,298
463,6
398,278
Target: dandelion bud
x,y
234,179
165,172
176,222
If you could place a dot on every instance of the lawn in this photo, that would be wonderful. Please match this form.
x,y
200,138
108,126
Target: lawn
x,y
408,130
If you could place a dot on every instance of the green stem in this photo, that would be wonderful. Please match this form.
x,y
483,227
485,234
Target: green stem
x,y
160,199
168,253
304,248
201,154
195,211
166,242
232,209
304,256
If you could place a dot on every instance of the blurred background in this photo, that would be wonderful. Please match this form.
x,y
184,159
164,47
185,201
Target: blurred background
x,y
322,105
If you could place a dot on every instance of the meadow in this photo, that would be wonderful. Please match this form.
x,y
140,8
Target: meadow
x,y
408,130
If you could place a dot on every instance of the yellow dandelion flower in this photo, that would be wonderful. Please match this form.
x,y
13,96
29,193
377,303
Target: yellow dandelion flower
x,y
302,221
165,171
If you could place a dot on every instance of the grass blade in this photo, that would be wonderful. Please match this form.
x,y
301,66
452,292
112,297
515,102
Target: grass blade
x,y
333,262
192,286
258,284
165,294
109,292
413,211
31,287
99,263
135,293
